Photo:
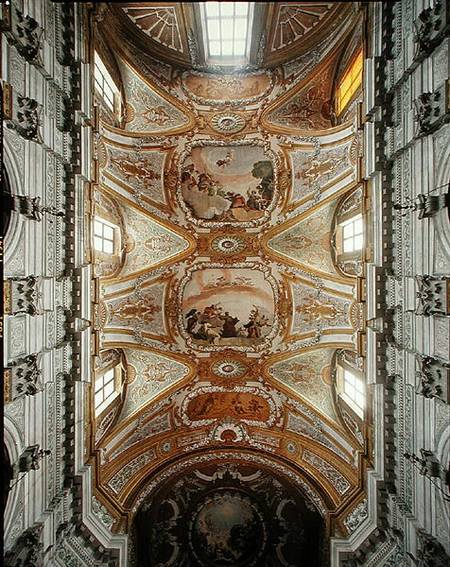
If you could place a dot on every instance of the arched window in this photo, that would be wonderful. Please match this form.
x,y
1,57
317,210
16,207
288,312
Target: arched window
x,y
350,382
350,83
106,236
107,387
105,87
348,234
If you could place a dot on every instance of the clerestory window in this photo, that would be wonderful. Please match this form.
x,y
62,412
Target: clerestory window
x,y
352,390
350,83
104,236
105,390
105,85
352,234
227,31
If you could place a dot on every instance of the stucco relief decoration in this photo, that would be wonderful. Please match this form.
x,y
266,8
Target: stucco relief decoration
x,y
233,183
142,171
310,108
142,308
309,375
294,22
149,241
227,90
149,112
153,373
159,23
315,306
308,240
316,169
223,307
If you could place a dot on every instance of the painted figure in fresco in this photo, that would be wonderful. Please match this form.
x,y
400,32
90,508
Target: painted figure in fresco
x,y
192,319
209,198
255,324
229,325
211,324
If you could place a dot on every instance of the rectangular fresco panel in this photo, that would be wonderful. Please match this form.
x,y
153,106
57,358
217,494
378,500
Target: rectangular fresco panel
x,y
228,307
227,183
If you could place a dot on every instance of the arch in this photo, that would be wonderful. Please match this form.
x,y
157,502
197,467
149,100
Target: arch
x,y
348,264
16,222
188,498
14,446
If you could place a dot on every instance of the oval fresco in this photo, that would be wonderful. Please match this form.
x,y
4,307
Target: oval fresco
x,y
227,184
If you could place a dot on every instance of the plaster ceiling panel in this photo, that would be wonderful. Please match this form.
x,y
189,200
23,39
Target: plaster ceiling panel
x,y
150,110
294,28
313,307
159,22
148,375
309,108
308,240
149,243
141,308
232,89
318,168
140,170
309,375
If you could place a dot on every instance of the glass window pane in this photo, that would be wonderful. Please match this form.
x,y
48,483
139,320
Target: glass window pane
x,y
108,232
348,245
358,225
227,8
241,8
109,389
109,376
227,48
108,247
98,243
239,48
214,29
358,242
227,29
240,29
348,230
98,228
98,398
212,9
99,384
214,47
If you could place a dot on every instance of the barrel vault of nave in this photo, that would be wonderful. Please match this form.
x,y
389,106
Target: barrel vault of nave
x,y
224,304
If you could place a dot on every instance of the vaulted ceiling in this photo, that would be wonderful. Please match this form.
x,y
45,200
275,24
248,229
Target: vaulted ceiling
x,y
225,188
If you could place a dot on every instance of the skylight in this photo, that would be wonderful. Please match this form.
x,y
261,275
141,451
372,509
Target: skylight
x,y
226,29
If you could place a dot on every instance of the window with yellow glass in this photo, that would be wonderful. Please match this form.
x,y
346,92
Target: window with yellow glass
x,y
350,83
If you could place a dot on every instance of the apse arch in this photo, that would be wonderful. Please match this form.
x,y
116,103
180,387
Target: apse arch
x,y
253,504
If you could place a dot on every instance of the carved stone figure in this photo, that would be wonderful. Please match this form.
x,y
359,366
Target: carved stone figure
x,y
28,549
25,376
430,552
30,458
27,120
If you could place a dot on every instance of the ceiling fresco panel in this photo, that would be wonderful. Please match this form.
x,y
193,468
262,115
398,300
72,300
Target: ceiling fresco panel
x,y
228,306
